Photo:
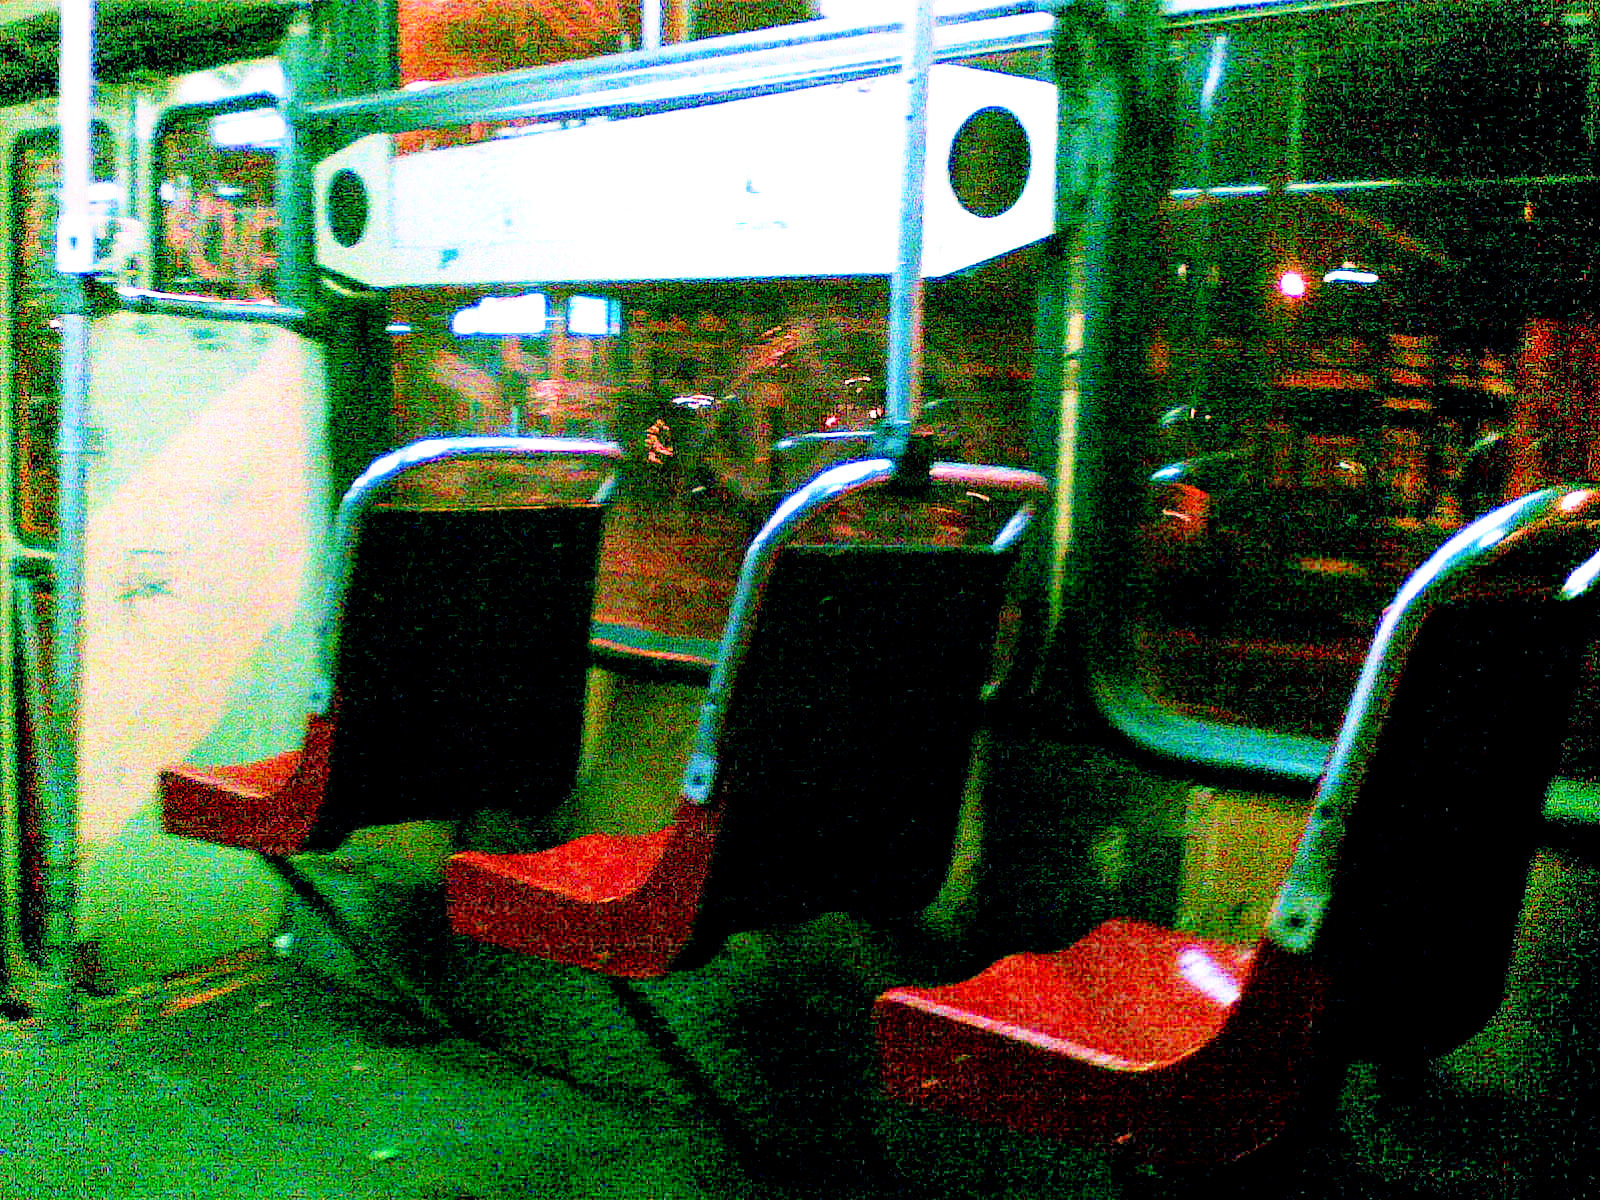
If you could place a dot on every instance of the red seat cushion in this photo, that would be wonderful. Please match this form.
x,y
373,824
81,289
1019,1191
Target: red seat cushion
x,y
622,904
1128,996
591,869
269,806
1124,1036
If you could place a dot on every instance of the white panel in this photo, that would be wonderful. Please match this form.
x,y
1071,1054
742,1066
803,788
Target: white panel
x,y
802,183
207,504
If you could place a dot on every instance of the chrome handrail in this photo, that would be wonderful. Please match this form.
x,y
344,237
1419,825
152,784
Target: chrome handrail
x,y
361,494
761,556
696,72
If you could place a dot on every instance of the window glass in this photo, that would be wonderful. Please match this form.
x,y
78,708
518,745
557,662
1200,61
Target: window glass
x,y
1487,92
1395,335
216,174
35,177
727,394
459,39
724,397
1228,125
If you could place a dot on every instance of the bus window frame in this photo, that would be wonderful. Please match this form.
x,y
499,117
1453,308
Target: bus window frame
x,y
194,303
1108,568
1241,755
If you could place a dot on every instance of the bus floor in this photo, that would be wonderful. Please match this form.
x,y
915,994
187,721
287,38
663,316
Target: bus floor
x,y
279,1074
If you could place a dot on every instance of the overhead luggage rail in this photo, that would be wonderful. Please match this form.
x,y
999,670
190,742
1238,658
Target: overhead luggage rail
x,y
697,72
1390,939
453,655
831,754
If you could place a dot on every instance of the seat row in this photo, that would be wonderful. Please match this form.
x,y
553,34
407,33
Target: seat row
x,y
829,763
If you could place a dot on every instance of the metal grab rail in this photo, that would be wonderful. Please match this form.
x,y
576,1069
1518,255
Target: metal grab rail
x,y
762,556
173,304
371,483
698,72
57,935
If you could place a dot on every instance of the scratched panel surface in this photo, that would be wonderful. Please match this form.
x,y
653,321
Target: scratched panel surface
x,y
206,505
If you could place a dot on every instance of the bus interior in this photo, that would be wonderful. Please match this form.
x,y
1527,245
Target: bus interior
x,y
800,598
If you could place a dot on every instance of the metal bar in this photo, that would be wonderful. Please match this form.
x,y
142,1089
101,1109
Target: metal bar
x,y
368,950
142,300
686,1070
903,374
762,556
650,24
74,260
690,73
36,710
1183,13
1377,185
370,484
294,287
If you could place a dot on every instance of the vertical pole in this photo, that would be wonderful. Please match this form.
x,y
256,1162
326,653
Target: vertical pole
x,y
293,193
650,21
75,253
904,375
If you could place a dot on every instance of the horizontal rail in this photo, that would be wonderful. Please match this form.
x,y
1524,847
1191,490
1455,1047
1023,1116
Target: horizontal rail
x,y
383,472
172,304
692,73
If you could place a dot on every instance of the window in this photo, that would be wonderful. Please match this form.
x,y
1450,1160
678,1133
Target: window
x,y
449,39
35,178
452,39
717,393
726,395
216,212
1382,323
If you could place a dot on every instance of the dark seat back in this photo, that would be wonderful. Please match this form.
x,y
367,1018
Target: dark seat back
x,y
848,715
462,665
1449,746
459,659
848,739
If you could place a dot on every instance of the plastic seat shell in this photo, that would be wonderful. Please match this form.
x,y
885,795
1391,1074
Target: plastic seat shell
x,y
441,687
1391,935
792,802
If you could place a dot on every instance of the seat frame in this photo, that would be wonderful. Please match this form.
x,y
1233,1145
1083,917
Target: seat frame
x,y
631,906
275,806
1173,1048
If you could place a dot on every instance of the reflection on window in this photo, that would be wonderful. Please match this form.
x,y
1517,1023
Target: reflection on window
x,y
460,39
35,177
1390,339
215,204
725,397
593,316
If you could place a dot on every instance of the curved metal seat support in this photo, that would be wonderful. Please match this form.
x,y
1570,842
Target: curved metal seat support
x,y
466,581
379,478
1392,933
831,752
828,488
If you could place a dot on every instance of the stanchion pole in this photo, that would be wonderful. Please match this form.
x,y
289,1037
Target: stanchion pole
x,y
903,378
75,257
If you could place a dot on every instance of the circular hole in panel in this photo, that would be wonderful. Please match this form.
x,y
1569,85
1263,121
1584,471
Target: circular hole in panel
x,y
989,162
347,207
